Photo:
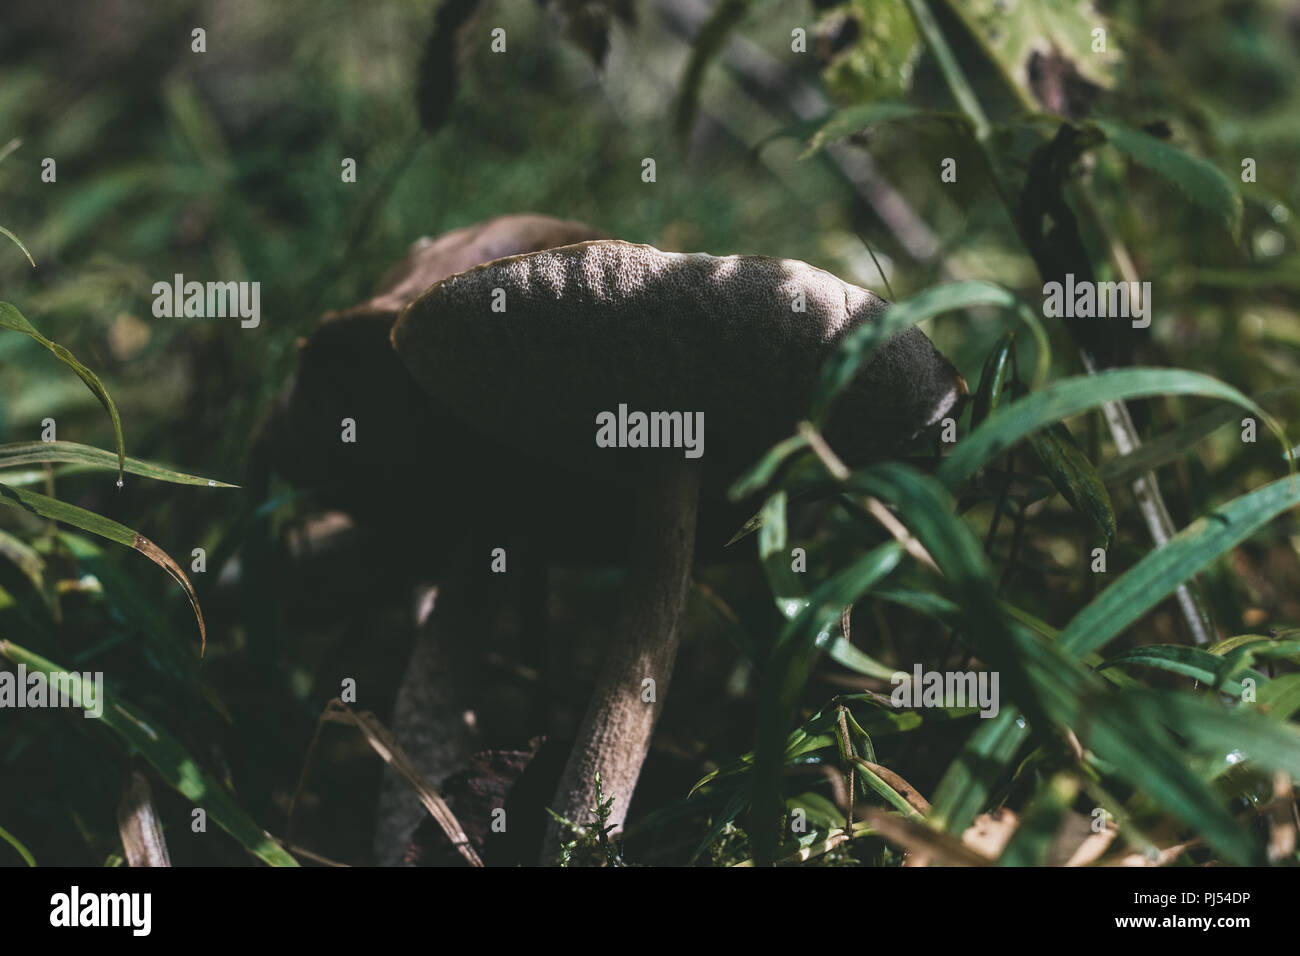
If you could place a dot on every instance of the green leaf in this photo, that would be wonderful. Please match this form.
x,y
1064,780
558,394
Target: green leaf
x,y
761,474
1070,396
926,510
170,759
1212,726
1165,448
1013,32
1075,477
996,374
953,76
56,510
842,124
1162,570
1202,182
708,43
862,342
11,318
965,788
924,507
1191,662
1240,640
819,811
881,60
1175,443
143,615
787,589
1280,697
26,453
847,655
786,674
1123,731
888,793
1031,843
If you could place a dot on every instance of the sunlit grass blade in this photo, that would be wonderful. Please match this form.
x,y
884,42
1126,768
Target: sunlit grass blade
x,y
1193,662
19,243
773,551
1070,396
1162,570
11,318
173,763
25,453
56,510
966,786
17,844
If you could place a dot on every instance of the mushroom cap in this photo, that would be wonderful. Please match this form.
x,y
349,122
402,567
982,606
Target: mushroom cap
x,y
413,465
432,260
595,325
347,368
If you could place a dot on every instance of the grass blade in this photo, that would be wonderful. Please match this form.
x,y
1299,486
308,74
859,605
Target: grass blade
x,y
1073,395
11,318
56,510
859,345
26,453
173,763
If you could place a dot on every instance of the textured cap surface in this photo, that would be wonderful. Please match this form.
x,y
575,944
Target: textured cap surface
x,y
432,260
591,326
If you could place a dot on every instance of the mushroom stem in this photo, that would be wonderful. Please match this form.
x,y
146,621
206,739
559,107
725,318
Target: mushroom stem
x,y
614,736
429,715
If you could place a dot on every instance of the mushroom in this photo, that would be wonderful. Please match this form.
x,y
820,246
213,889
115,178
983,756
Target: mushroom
x,y
536,351
396,477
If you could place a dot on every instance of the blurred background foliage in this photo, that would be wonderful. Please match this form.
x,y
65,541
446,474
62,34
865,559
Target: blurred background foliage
x,y
226,165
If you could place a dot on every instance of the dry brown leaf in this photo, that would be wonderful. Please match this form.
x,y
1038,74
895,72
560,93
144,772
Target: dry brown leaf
x,y
905,789
382,742
917,838
1165,856
989,833
1093,848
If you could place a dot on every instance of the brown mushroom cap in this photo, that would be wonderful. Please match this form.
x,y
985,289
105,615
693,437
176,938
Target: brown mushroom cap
x,y
590,326
432,260
347,367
